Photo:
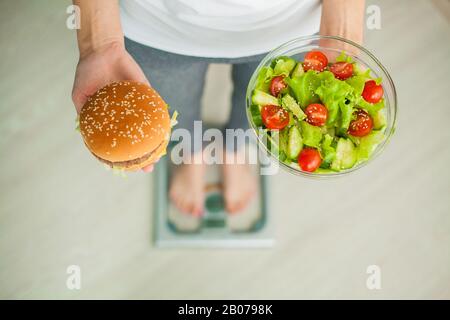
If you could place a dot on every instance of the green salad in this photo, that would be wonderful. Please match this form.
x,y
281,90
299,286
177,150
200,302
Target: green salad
x,y
318,116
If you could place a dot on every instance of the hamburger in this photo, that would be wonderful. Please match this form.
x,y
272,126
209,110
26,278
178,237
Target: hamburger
x,y
126,125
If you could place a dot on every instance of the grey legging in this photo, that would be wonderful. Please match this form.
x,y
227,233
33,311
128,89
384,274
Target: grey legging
x,y
180,80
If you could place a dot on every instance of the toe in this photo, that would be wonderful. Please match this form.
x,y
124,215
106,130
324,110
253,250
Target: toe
x,y
231,205
196,210
189,206
179,203
191,209
186,206
240,205
227,201
198,207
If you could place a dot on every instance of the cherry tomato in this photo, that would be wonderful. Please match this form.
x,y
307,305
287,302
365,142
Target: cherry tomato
x,y
274,117
362,125
317,114
342,70
277,85
315,60
372,92
309,159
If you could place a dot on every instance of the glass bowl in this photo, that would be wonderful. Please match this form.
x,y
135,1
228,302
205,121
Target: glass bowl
x,y
331,46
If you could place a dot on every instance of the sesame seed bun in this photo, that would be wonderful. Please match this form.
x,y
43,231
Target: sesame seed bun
x,y
126,125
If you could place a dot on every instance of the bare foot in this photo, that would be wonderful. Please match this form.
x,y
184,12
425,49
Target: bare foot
x,y
187,188
239,184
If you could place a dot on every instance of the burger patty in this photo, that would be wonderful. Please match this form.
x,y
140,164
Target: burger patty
x,y
129,163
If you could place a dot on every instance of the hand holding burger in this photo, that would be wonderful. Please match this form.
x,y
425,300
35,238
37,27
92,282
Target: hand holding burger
x,y
100,66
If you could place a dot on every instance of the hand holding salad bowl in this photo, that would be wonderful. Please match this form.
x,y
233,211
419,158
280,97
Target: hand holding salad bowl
x,y
321,111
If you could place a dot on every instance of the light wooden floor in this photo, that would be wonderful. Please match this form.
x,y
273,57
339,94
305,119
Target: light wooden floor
x,y
59,207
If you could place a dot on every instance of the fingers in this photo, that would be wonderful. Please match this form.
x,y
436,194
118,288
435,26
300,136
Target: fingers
x,y
78,99
139,77
143,78
134,72
148,169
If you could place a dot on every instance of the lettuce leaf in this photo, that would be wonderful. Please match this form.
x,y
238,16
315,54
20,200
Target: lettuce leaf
x,y
346,108
312,135
357,82
304,87
119,172
77,123
283,66
343,57
263,80
328,151
337,96
371,108
173,119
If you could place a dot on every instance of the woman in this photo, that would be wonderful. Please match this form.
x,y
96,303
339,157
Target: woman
x,y
171,43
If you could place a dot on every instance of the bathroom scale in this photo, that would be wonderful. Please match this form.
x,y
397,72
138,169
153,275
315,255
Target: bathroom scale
x,y
252,227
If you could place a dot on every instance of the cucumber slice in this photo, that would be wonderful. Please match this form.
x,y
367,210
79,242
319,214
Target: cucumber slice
x,y
294,143
379,120
273,141
256,115
298,70
289,103
356,140
331,131
324,171
312,135
261,98
368,144
346,155
283,139
277,144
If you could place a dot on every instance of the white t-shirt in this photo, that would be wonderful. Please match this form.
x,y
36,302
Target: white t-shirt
x,y
218,28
